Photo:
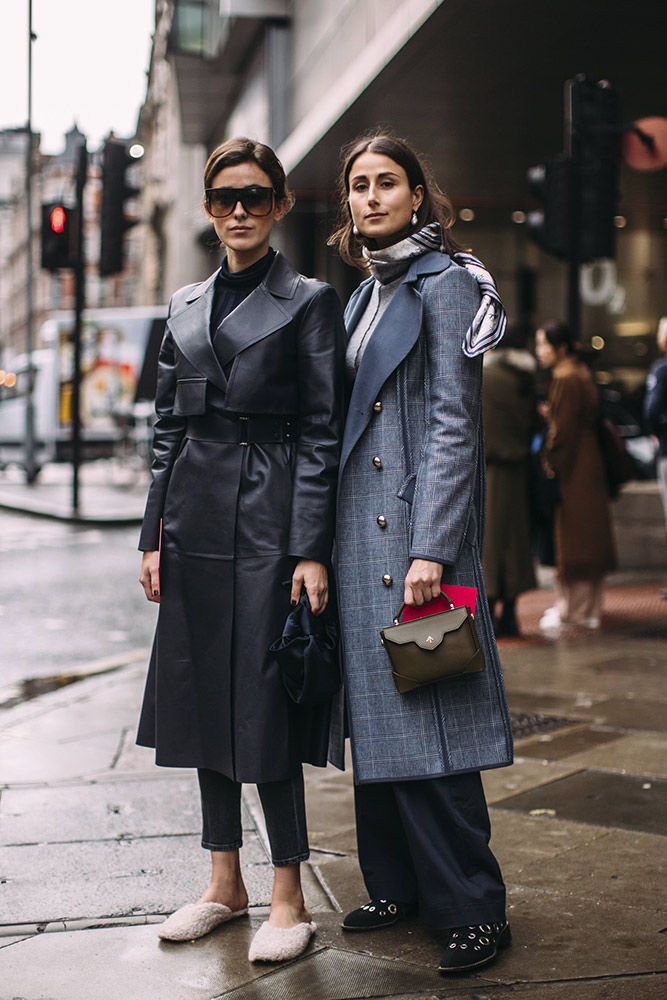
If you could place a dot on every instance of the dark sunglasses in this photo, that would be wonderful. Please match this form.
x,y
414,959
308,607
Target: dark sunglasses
x,y
222,201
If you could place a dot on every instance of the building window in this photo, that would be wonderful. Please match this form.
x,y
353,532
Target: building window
x,y
189,27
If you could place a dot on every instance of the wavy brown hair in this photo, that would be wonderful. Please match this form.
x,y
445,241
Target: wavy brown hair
x,y
243,150
435,206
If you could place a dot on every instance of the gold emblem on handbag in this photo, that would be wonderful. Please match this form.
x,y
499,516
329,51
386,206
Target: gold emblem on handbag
x,y
434,648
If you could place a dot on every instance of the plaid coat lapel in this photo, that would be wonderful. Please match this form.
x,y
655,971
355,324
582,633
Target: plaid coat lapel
x,y
390,344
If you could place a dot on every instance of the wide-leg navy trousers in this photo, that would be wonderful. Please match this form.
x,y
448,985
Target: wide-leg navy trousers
x,y
427,842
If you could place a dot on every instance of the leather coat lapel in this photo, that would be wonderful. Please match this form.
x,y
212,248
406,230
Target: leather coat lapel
x,y
190,329
255,318
391,342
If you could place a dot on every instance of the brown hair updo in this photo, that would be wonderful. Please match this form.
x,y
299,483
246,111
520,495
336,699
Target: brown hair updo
x,y
435,207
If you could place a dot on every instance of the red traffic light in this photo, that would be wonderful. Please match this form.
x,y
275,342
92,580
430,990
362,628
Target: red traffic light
x,y
59,236
57,219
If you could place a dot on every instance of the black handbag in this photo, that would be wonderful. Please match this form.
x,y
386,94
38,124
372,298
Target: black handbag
x,y
307,653
434,648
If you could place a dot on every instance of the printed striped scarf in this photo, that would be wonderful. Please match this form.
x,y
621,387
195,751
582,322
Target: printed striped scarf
x,y
488,326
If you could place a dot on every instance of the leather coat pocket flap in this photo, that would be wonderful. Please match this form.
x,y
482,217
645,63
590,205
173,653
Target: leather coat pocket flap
x,y
190,398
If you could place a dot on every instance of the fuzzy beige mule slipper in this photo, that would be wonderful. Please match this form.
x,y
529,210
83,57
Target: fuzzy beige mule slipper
x,y
277,944
196,919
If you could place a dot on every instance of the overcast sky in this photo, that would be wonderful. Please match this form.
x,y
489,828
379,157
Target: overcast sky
x,y
89,66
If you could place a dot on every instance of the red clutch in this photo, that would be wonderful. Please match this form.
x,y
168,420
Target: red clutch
x,y
460,597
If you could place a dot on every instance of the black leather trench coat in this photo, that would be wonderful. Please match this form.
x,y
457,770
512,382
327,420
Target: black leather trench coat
x,y
234,520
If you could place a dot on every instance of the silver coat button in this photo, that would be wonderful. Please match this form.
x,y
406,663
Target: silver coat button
x,y
382,520
377,462
377,406
387,580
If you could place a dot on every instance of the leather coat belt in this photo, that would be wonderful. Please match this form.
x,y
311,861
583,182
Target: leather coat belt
x,y
242,430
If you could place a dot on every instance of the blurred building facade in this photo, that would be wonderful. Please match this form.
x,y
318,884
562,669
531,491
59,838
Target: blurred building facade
x,y
480,94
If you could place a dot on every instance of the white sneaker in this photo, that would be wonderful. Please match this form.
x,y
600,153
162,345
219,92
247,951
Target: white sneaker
x,y
550,618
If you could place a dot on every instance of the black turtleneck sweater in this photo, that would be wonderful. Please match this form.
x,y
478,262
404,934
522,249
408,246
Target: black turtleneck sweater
x,y
231,288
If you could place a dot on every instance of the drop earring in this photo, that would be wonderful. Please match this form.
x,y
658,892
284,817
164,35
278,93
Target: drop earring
x,y
413,220
355,230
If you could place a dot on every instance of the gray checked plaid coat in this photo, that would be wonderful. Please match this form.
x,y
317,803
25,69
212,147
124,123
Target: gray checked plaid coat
x,y
457,725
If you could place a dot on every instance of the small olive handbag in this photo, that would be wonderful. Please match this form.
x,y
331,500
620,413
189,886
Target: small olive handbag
x,y
434,648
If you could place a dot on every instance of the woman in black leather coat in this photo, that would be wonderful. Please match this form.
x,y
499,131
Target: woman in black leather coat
x,y
246,450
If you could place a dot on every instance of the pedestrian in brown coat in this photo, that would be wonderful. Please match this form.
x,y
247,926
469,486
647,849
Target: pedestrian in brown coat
x,y
583,537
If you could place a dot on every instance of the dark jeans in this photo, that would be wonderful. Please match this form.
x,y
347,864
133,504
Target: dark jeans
x,y
284,812
427,842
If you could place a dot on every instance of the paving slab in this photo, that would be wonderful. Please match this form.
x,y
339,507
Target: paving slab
x,y
611,800
582,681
648,987
106,494
118,690
519,840
564,937
644,754
573,704
524,774
24,759
342,879
556,746
400,941
591,651
634,713
132,759
330,974
111,878
618,866
330,808
578,668
128,962
106,810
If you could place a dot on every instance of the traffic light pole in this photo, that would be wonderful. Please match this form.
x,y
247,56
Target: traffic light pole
x,y
80,295
31,467
579,188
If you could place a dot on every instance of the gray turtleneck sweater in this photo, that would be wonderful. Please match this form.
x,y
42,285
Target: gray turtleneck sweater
x,y
388,267
381,296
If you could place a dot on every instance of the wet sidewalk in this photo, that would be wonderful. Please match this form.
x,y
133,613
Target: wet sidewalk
x,y
111,491
97,844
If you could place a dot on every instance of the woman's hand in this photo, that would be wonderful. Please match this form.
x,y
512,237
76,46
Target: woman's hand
x,y
149,578
313,576
422,583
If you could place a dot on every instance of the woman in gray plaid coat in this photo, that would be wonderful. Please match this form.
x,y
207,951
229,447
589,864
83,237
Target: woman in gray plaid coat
x,y
410,517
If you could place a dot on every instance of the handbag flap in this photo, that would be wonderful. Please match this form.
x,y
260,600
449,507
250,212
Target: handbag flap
x,y
429,632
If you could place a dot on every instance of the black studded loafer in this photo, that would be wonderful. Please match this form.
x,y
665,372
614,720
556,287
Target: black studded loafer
x,y
471,947
376,914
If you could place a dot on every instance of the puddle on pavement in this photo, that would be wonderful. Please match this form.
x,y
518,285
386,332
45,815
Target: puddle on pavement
x,y
33,687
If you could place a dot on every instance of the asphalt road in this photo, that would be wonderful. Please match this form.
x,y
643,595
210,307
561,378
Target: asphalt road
x,y
69,597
